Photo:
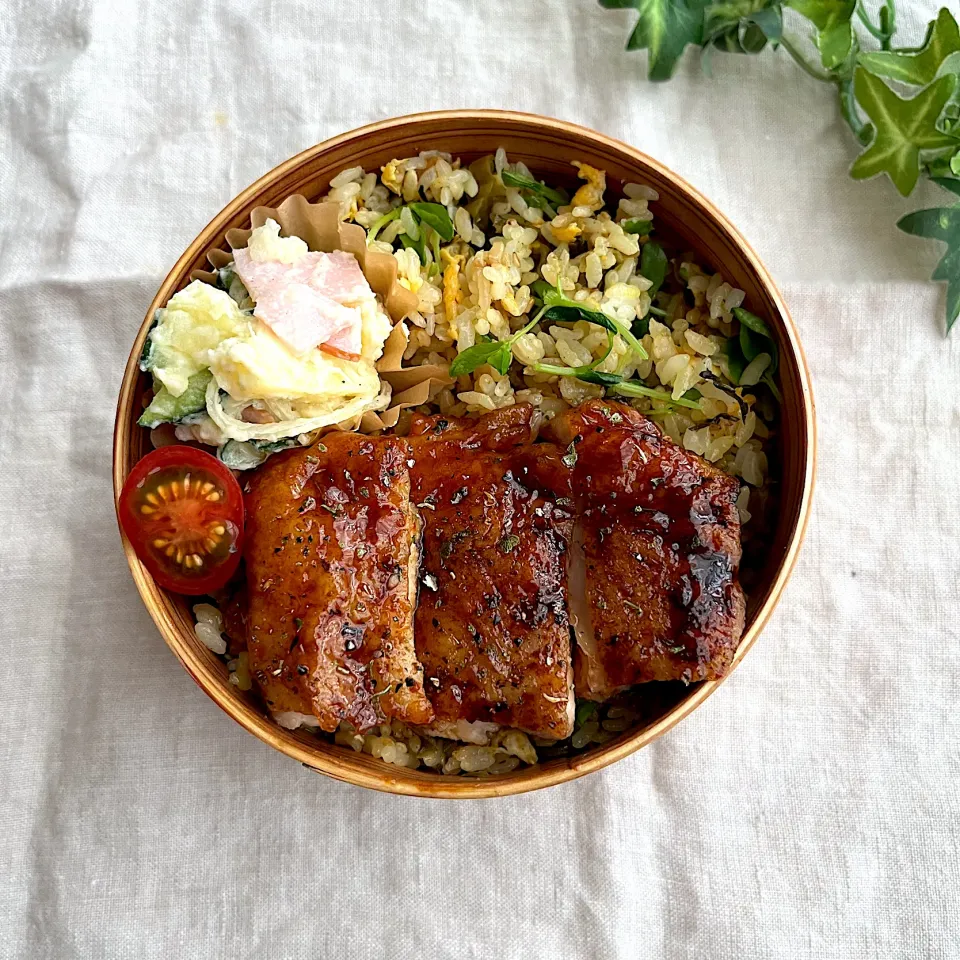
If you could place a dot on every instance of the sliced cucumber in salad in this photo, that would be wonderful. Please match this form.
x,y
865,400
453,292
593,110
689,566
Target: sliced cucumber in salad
x,y
166,408
231,282
247,454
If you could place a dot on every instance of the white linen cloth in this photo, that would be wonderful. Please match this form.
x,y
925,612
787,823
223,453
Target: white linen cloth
x,y
809,810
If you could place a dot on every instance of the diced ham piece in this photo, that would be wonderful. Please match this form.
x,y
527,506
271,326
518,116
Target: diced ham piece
x,y
337,274
259,276
304,318
311,303
346,342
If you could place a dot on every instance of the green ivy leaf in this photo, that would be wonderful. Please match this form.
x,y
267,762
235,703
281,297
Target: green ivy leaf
x,y
834,31
766,24
917,67
943,224
948,184
665,27
903,129
743,26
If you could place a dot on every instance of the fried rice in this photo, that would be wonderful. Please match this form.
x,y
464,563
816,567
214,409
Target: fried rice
x,y
478,287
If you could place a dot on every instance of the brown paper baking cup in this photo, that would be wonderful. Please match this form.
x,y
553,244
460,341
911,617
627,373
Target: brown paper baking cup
x,y
320,227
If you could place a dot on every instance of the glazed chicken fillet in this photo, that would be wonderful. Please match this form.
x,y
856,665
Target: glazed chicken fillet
x,y
654,590
437,578
332,554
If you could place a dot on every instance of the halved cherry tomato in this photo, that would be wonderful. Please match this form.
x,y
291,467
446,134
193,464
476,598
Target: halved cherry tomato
x,y
183,512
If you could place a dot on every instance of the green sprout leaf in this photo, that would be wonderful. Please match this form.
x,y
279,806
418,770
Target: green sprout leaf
x,y
736,362
903,129
497,353
419,245
834,31
918,67
599,378
756,338
533,186
664,28
381,223
630,388
435,215
540,288
641,227
589,374
559,308
751,320
941,223
653,266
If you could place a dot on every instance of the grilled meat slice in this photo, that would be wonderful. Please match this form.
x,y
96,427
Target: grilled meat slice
x,y
491,623
654,593
332,550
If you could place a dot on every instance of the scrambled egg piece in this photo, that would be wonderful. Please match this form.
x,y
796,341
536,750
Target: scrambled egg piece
x,y
569,233
451,286
391,178
591,193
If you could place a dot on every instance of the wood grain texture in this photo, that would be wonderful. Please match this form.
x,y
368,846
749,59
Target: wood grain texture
x,y
547,147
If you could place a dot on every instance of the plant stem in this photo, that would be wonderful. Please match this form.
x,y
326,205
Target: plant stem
x,y
848,108
803,63
631,389
865,20
888,22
